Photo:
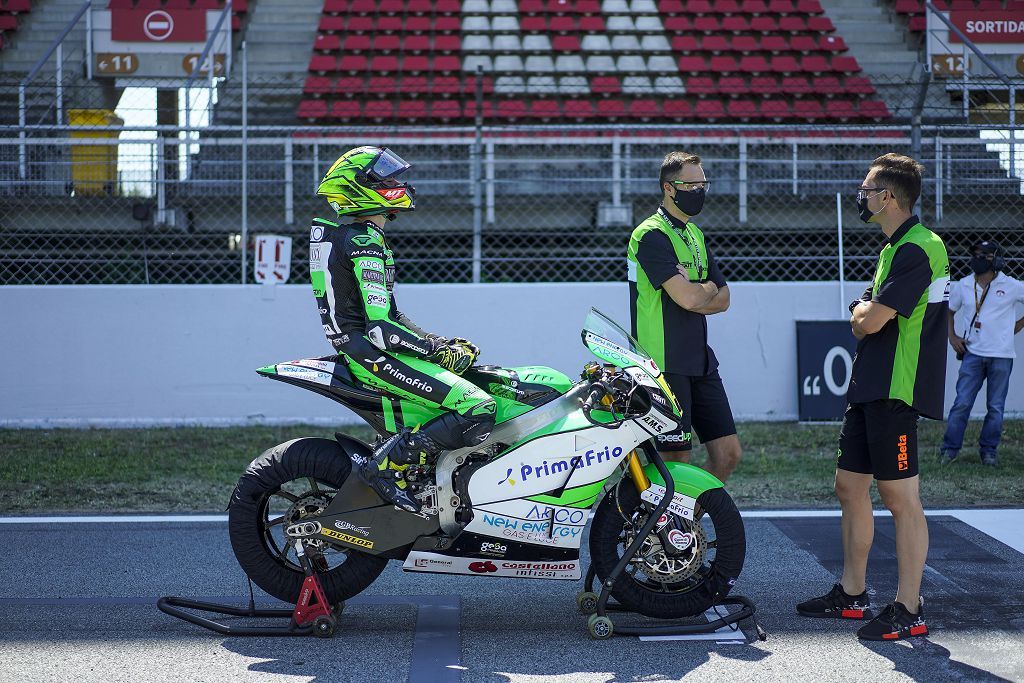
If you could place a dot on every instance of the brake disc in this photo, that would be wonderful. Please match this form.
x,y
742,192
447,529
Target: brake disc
x,y
668,568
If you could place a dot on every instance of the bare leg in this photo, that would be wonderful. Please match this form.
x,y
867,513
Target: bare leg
x,y
676,456
723,456
858,524
902,498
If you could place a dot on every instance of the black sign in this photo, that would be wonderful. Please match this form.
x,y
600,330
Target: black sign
x,y
824,361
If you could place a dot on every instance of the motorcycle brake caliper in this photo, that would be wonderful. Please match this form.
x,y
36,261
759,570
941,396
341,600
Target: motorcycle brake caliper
x,y
302,530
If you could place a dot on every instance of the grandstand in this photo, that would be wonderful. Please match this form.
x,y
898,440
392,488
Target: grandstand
x,y
573,103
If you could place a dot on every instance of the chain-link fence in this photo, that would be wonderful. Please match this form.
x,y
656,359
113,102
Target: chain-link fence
x,y
161,196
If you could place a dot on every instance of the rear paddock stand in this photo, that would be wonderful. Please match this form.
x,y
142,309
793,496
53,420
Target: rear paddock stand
x,y
601,627
312,615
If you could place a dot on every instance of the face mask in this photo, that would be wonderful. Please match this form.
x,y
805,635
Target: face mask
x,y
865,212
690,203
980,265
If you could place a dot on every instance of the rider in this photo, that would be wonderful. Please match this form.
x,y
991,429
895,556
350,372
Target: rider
x,y
353,274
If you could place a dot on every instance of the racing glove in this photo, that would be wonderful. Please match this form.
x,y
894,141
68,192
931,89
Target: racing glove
x,y
453,357
468,345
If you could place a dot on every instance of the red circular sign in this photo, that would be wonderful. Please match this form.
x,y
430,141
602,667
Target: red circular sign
x,y
158,25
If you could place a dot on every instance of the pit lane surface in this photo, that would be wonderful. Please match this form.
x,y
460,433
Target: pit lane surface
x,y
77,602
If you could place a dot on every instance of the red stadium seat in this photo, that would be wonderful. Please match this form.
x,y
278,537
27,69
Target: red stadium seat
x,y
446,110
803,43
796,85
840,109
820,24
733,85
742,109
418,24
345,110
723,64
698,7
846,65
605,85
447,7
383,86
448,85
533,24
909,6
349,86
356,44
382,64
678,24
785,64
706,24
446,64
764,85
677,109
323,63
579,109
545,109
917,24
565,44
390,6
775,43
418,7
763,24
669,7
531,7
317,85
736,23
692,64
775,109
725,6
809,7
793,24
644,109
352,63
781,6
416,63
312,109
328,43
745,44
360,25
808,109
753,64
753,7
447,24
386,43
859,85
21,6
684,44
832,44
701,85
362,6
331,24
511,110
379,110
562,24
611,109
412,110
414,85
827,85
873,109
715,43
336,6
709,109
447,44
593,24
815,64
416,44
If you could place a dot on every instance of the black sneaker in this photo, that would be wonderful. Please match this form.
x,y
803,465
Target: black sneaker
x,y
895,622
837,604
948,457
989,459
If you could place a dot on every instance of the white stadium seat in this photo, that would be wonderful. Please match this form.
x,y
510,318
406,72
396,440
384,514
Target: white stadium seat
x,y
655,44
475,7
569,64
504,63
540,64
505,42
662,63
507,85
504,7
668,85
636,85
615,6
470,62
631,63
541,85
643,7
573,85
649,25
536,43
600,64
627,43
595,43
474,24
476,42
620,25
505,24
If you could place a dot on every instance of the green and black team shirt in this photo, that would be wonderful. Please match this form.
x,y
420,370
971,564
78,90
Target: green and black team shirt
x,y
676,338
906,359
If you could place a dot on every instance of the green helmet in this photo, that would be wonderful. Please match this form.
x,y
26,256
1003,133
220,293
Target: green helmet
x,y
362,182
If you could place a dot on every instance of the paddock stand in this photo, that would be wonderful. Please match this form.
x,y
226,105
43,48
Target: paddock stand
x,y
596,606
312,616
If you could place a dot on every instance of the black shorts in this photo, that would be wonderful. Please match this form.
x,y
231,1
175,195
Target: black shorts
x,y
879,438
705,410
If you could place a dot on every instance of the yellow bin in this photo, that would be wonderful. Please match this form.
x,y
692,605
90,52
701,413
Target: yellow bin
x,y
94,167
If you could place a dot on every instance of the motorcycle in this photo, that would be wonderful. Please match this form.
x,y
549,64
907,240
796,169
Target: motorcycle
x,y
514,506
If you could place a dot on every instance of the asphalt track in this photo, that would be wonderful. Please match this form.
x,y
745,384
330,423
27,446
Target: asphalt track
x,y
77,603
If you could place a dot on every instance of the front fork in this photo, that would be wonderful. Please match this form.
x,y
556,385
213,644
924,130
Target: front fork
x,y
636,471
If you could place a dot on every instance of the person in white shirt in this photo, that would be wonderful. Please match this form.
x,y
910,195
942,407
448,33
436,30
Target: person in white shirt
x,y
986,302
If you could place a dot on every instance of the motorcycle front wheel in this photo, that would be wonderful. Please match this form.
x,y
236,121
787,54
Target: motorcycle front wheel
x,y
668,585
287,483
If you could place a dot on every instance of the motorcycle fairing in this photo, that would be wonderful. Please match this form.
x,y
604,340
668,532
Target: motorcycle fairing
x,y
690,480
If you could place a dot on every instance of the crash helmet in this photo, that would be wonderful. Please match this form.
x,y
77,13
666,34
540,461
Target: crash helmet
x,y
364,182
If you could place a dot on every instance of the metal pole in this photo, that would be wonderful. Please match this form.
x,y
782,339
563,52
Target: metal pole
x,y
795,169
1013,129
489,175
938,177
616,171
245,161
842,264
161,176
289,184
60,84
316,164
22,165
474,177
88,44
743,180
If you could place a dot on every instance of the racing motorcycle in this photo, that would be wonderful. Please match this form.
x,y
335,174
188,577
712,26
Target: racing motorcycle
x,y
514,506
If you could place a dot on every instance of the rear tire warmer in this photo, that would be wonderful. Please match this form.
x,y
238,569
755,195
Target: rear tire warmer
x,y
323,460
729,555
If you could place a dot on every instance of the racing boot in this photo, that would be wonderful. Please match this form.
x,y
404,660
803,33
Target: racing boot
x,y
383,471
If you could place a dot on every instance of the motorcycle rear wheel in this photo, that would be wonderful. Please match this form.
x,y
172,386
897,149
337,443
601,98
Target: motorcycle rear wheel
x,y
673,588
320,467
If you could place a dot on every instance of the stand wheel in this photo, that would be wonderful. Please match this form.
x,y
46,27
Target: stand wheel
x,y
323,627
600,628
586,602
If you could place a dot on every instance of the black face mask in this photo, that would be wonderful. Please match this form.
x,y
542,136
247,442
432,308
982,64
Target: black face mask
x,y
980,265
690,202
863,211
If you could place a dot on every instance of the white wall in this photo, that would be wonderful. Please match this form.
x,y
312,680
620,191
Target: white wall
x,y
150,354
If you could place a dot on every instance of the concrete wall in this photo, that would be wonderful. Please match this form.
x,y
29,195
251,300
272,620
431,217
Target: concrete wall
x,y
128,355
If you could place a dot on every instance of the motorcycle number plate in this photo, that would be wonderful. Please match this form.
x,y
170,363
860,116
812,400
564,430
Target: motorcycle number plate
x,y
681,505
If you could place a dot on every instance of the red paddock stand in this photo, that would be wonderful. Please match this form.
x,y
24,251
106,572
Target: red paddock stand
x,y
312,616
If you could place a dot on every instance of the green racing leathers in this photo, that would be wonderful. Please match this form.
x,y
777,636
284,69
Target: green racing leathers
x,y
352,270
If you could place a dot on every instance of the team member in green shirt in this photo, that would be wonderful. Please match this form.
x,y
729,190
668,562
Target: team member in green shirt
x,y
674,283
899,373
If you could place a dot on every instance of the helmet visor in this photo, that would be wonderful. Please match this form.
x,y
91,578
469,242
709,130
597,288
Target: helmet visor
x,y
387,165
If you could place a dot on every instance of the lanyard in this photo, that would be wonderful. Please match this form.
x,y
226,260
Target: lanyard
x,y
691,243
977,307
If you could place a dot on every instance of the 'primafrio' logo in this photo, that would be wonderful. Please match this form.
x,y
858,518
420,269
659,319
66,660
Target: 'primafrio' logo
x,y
546,469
